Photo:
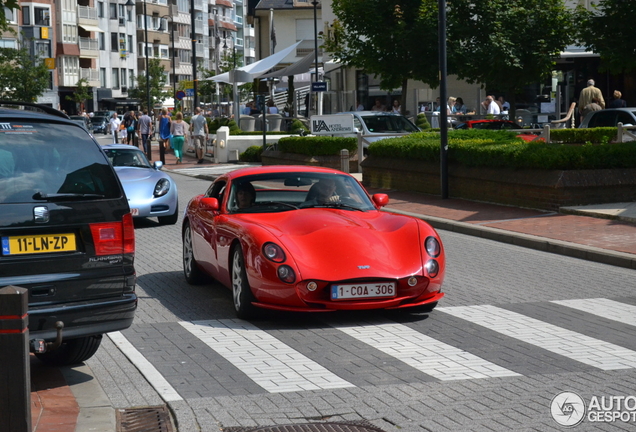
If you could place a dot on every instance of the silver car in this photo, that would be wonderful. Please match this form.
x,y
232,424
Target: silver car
x,y
150,191
610,117
384,124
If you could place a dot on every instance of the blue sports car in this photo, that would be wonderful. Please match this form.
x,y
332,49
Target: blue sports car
x,y
150,191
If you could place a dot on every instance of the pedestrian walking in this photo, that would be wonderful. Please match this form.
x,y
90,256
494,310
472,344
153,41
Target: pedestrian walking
x,y
199,132
144,130
178,130
114,123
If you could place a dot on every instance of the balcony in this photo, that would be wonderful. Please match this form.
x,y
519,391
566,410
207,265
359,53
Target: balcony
x,y
238,20
87,15
198,5
90,75
89,47
238,42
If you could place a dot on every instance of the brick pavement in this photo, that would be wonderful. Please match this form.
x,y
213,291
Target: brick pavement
x,y
55,409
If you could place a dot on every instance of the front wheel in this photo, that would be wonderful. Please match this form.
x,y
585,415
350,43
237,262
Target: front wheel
x,y
241,292
72,352
191,270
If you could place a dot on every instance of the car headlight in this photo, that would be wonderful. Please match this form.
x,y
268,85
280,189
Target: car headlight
x,y
162,187
273,252
432,268
286,274
432,247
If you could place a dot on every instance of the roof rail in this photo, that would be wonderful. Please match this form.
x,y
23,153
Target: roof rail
x,y
28,106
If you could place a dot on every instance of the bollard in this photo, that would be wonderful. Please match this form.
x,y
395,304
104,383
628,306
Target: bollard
x,y
344,160
15,372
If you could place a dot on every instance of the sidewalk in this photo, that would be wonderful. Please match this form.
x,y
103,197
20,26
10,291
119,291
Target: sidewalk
x,y
600,233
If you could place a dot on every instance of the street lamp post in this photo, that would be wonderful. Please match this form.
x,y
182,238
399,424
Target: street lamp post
x,y
315,4
162,150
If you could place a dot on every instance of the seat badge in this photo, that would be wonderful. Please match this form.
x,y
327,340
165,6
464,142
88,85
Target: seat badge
x,y
41,214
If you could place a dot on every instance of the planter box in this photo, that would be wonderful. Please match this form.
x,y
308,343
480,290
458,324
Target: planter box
x,y
540,189
272,157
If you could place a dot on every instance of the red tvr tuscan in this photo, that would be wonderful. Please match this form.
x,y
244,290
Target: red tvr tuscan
x,y
297,238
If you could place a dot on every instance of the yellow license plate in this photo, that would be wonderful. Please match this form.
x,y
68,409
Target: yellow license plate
x,y
34,244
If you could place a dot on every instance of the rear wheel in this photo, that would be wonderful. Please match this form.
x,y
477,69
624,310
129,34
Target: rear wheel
x,y
191,270
170,220
241,292
72,352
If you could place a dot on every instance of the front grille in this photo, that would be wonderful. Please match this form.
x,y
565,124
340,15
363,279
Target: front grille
x,y
362,426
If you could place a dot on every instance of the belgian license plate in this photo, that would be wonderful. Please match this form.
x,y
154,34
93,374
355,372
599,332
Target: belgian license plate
x,y
35,244
134,211
363,291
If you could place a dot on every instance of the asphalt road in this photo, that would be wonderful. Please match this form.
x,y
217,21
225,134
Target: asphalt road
x,y
516,328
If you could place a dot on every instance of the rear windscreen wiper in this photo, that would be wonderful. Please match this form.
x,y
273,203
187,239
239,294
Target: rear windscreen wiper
x,y
64,196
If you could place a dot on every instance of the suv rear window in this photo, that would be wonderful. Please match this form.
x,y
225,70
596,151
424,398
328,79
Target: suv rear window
x,y
43,161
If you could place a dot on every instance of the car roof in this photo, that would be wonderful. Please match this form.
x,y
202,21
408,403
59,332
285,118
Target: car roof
x,y
278,169
120,147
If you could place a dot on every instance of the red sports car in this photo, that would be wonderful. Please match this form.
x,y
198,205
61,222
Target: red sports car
x,y
298,238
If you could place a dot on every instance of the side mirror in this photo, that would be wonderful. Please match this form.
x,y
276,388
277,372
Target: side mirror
x,y
210,204
157,165
380,200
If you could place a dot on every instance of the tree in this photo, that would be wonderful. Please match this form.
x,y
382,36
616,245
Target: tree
x,y
396,40
609,31
157,75
22,77
508,43
81,93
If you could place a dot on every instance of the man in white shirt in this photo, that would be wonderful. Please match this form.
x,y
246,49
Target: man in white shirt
x,y
199,129
491,106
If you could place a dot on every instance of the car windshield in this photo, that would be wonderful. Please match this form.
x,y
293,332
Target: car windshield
x,y
128,158
41,160
275,192
98,119
388,123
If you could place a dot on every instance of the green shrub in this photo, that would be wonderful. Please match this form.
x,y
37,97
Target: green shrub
x,y
297,127
496,149
317,145
251,154
422,122
214,125
602,135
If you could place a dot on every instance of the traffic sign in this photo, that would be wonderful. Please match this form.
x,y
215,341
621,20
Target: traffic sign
x,y
319,86
189,92
180,94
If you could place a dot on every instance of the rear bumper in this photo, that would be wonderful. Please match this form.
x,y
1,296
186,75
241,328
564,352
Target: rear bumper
x,y
83,318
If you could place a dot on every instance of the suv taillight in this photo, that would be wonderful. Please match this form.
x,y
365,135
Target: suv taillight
x,y
114,238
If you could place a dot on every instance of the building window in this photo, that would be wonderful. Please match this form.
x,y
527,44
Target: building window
x,y
43,49
112,7
41,16
123,78
100,9
130,44
10,16
101,37
115,78
70,33
26,15
164,53
8,43
114,43
102,77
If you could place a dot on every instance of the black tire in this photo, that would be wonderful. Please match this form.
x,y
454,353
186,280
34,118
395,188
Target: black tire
x,y
191,270
72,352
169,220
242,296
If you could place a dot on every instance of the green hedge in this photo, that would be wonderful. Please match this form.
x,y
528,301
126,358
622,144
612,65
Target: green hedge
x,y
503,149
602,135
317,145
251,154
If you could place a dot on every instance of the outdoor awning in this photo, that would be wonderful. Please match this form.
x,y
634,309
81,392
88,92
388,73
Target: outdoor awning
x,y
255,70
300,67
91,28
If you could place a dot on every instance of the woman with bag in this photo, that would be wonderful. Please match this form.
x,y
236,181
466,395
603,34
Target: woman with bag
x,y
164,133
129,124
178,130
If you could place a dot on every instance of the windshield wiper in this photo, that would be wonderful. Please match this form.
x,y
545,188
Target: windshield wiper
x,y
338,205
65,196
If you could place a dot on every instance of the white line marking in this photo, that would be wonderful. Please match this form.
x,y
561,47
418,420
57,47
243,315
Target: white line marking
x,y
267,361
163,387
593,352
424,353
606,308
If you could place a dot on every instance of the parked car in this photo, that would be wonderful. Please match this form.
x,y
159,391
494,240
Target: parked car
x,y
100,124
84,121
298,238
610,117
496,124
373,122
150,191
66,231
104,113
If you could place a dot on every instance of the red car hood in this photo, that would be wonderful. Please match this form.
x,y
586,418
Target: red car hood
x,y
337,245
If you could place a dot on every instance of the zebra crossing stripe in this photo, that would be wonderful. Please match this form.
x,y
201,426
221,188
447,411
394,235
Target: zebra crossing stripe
x,y
605,308
424,353
585,349
274,366
156,380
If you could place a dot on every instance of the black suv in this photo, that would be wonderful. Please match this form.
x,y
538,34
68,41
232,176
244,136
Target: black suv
x,y
66,231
